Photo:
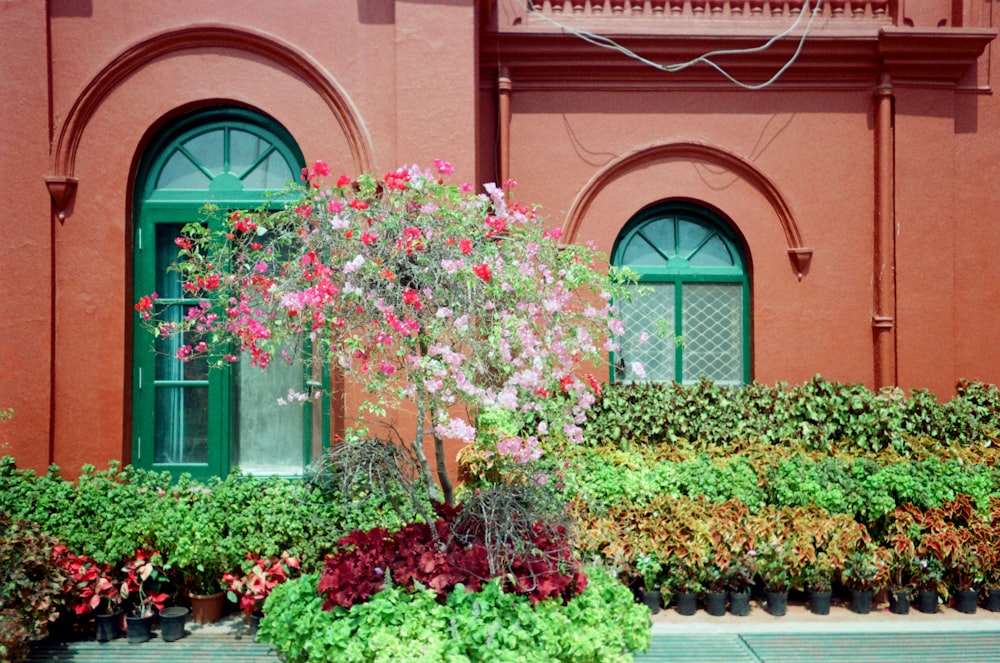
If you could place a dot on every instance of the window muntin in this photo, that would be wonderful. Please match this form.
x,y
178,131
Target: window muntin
x,y
693,320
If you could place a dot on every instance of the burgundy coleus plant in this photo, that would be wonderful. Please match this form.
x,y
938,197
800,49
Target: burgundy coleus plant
x,y
432,556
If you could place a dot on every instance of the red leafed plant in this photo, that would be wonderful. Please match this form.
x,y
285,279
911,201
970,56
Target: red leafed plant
x,y
92,587
436,558
144,579
251,588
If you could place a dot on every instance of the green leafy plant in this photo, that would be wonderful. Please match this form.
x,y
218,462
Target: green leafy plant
x,y
866,568
603,624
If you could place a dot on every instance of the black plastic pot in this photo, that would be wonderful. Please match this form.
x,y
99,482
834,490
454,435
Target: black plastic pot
x,y
172,623
139,629
819,602
715,603
899,602
687,603
777,603
966,601
108,627
927,602
861,601
993,600
651,600
739,604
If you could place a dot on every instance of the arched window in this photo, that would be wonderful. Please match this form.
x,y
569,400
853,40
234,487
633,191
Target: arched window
x,y
188,417
693,321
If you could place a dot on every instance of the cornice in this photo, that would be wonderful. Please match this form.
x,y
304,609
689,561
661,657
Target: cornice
x,y
547,59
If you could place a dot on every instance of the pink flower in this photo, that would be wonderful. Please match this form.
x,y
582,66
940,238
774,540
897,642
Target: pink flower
x,y
554,233
443,167
386,368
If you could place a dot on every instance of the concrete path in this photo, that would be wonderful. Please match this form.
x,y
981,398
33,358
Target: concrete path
x,y
799,636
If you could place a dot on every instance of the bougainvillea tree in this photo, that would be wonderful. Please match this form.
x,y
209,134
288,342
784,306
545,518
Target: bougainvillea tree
x,y
432,297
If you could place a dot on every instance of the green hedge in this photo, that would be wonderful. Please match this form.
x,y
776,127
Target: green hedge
x,y
109,514
861,487
821,415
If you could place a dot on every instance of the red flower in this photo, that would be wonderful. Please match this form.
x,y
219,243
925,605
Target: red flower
x,y
358,204
145,305
565,381
368,238
465,246
343,180
412,298
482,270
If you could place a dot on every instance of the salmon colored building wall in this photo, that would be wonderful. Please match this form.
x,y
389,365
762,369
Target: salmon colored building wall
x,y
862,183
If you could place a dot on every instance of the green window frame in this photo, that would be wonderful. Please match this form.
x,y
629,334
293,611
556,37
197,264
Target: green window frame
x,y
693,320
188,417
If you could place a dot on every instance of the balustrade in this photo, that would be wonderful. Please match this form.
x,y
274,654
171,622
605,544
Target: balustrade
x,y
750,9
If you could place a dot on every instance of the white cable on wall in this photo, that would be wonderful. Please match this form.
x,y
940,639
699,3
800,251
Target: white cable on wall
x,y
611,44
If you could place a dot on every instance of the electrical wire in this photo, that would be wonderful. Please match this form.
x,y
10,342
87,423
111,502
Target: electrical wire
x,y
608,43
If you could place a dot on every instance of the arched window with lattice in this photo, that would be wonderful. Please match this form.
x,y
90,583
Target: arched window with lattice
x,y
692,320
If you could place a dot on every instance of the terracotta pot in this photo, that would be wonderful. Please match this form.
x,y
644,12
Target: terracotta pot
x,y
207,608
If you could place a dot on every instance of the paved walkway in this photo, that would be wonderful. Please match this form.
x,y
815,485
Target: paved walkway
x,y
799,636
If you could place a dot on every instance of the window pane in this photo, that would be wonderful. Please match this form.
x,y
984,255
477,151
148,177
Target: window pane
x,y
691,234
651,316
712,320
180,173
270,436
639,252
168,367
714,253
244,149
181,425
168,281
208,149
271,174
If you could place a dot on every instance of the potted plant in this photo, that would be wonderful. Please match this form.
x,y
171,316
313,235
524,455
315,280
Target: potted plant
x,y
928,578
682,581
198,552
714,578
143,585
780,567
818,576
93,589
865,570
250,588
740,576
902,571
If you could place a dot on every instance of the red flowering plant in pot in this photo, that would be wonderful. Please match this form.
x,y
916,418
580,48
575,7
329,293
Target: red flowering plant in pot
x,y
250,588
144,583
92,588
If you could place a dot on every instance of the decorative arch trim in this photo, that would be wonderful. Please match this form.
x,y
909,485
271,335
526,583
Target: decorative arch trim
x,y
208,36
798,253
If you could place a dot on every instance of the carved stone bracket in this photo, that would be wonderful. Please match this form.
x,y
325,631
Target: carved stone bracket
x,y
800,257
62,189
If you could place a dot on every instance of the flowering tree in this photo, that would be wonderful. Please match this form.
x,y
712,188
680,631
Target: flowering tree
x,y
426,293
